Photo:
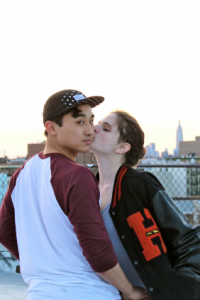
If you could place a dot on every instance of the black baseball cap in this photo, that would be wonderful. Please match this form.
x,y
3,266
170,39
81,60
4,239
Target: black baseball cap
x,y
65,100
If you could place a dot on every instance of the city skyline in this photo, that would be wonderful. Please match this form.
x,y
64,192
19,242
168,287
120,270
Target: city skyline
x,y
151,148
142,56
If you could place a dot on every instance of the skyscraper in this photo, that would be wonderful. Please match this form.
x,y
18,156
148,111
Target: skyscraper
x,y
151,151
179,135
179,138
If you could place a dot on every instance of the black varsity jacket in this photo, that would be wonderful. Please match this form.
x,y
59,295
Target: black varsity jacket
x,y
160,242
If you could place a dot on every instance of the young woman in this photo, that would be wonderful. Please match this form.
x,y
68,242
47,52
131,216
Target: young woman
x,y
157,248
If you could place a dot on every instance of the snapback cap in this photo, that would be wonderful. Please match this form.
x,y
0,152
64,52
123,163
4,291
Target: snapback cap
x,y
65,100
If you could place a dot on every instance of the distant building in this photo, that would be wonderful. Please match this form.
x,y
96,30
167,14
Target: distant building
x,y
165,154
148,153
193,181
179,138
193,189
35,148
151,151
87,158
152,146
4,160
179,135
188,147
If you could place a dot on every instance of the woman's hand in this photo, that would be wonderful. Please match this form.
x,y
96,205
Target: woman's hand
x,y
138,293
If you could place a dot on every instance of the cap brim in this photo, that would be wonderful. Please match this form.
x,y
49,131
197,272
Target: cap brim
x,y
92,101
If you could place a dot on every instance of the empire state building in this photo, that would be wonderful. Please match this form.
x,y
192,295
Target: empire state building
x,y
179,138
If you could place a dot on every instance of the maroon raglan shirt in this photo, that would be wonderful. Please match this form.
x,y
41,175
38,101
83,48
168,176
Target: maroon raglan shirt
x,y
77,193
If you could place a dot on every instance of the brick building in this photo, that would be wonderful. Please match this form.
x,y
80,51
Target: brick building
x,y
188,147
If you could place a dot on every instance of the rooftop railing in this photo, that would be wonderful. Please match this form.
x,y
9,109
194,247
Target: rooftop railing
x,y
181,181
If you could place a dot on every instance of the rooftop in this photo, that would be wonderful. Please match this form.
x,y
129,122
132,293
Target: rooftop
x,y
12,286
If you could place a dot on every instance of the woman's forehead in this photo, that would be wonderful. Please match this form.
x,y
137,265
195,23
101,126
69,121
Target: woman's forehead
x,y
110,119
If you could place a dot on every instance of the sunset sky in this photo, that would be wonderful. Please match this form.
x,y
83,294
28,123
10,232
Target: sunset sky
x,y
142,56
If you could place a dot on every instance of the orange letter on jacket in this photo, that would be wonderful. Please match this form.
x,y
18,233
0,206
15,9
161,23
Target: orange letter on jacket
x,y
145,235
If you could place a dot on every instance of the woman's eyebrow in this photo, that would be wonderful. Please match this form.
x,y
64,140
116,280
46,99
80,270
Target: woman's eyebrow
x,y
105,123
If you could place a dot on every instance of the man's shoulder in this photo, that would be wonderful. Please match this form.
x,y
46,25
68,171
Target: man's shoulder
x,y
80,172
63,167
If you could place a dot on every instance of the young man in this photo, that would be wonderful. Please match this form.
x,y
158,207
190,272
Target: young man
x,y
50,218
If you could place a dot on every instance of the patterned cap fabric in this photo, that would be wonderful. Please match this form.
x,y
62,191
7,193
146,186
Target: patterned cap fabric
x,y
64,100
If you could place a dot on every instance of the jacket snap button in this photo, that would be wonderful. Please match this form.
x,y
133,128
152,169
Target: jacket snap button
x,y
135,262
123,236
151,289
113,213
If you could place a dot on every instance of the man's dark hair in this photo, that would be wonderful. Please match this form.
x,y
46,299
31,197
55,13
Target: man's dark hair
x,y
59,119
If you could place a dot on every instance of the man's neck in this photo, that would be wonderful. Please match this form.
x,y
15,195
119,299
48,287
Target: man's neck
x,y
56,149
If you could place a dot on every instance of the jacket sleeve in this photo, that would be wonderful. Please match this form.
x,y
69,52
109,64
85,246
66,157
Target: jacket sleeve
x,y
181,237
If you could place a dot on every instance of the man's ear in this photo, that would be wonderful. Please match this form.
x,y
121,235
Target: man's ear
x,y
123,148
50,128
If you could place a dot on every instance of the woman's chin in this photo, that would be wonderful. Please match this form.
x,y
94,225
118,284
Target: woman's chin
x,y
94,150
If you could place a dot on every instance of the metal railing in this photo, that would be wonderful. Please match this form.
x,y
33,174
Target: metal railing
x,y
178,182
5,174
181,181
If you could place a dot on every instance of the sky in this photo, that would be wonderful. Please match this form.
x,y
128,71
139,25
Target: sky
x,y
142,56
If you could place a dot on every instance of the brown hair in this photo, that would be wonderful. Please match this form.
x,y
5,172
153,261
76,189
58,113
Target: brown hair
x,y
59,119
130,132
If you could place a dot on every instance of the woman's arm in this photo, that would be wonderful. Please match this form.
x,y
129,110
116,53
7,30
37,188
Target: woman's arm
x,y
181,238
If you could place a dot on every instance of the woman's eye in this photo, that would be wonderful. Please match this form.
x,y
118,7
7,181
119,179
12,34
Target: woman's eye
x,y
80,122
105,129
92,122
